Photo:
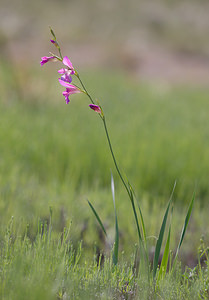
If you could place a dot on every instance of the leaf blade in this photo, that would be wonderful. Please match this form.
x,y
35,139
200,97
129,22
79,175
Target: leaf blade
x,y
164,262
97,217
116,243
184,228
161,235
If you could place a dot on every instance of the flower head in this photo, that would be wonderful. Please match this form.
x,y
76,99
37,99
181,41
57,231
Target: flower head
x,y
66,72
45,59
65,75
70,89
95,108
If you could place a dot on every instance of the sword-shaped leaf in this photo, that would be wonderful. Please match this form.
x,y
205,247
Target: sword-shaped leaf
x,y
116,243
97,217
161,235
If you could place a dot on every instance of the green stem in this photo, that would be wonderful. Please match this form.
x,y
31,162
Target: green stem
x,y
114,160
83,86
131,197
130,194
59,51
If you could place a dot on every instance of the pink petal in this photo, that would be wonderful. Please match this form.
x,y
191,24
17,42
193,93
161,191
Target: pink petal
x,y
66,78
62,71
67,62
73,90
45,59
67,100
65,84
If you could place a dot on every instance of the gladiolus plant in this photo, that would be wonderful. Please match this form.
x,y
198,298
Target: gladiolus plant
x,y
66,80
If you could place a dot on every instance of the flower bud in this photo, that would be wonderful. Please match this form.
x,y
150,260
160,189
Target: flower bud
x,y
95,108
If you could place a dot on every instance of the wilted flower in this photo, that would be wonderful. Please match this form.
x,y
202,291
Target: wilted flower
x,y
95,108
45,59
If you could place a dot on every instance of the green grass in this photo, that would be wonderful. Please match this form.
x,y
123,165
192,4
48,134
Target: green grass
x,y
159,135
54,154
49,268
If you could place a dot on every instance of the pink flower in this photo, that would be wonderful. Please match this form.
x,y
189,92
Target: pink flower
x,y
68,63
66,72
66,75
71,89
45,59
95,108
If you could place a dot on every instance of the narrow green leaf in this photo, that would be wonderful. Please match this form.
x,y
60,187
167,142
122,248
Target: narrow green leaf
x,y
164,262
116,243
97,217
135,215
161,234
186,222
140,212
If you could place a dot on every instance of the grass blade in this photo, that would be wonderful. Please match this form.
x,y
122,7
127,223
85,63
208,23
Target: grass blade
x,y
164,262
144,262
161,235
140,212
135,216
97,217
116,243
186,222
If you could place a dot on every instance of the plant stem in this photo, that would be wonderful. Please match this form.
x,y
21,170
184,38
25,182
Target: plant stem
x,y
114,159
83,86
126,185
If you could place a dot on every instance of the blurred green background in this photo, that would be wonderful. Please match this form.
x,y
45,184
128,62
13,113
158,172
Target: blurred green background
x,y
148,63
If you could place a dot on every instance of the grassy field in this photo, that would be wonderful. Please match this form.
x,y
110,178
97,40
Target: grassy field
x,y
147,62
49,268
54,157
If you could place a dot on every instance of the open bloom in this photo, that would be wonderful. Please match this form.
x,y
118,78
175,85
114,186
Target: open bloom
x,y
68,63
69,70
65,75
66,72
69,91
95,108
45,59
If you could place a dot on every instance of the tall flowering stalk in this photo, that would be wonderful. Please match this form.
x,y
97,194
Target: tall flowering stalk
x,y
66,81
66,78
